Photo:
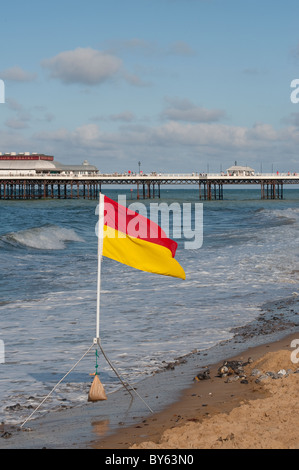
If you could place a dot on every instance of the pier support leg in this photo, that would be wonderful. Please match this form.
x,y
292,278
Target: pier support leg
x,y
220,191
209,191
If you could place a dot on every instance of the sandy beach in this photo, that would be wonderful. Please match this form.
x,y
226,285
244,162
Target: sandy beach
x,y
253,405
260,411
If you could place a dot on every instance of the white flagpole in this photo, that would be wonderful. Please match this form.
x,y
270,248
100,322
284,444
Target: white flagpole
x,y
100,254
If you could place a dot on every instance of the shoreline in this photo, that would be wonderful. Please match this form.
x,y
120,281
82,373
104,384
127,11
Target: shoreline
x,y
168,392
88,428
207,400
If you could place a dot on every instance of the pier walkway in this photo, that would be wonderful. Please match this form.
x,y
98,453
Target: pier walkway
x,y
210,186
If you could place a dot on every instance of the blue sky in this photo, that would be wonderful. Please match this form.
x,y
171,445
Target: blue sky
x,y
180,85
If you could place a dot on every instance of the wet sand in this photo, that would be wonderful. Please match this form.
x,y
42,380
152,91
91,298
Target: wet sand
x,y
218,412
182,405
224,413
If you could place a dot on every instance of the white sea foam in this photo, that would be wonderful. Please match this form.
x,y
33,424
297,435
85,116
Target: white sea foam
x,y
47,237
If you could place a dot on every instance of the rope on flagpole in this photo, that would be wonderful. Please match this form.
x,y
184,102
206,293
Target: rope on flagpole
x,y
58,383
122,381
126,385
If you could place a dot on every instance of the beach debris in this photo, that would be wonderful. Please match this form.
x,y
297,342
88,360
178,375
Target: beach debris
x,y
223,371
230,379
96,392
232,368
234,371
244,381
262,378
282,373
205,375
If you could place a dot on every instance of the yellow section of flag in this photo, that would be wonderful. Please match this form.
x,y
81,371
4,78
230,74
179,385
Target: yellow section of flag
x,y
140,254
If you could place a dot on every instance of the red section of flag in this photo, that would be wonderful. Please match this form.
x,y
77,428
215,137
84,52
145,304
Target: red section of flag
x,y
135,225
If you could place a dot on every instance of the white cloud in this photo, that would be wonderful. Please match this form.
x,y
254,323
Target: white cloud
x,y
86,136
125,116
262,131
174,135
201,135
135,80
17,74
83,65
13,141
171,147
15,123
184,110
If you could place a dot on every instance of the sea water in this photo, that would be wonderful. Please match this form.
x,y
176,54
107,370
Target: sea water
x,y
48,292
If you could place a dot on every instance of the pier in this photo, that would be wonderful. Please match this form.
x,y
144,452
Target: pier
x,y
210,186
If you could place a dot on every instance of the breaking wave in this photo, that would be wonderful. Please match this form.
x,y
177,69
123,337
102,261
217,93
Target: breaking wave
x,y
47,237
286,216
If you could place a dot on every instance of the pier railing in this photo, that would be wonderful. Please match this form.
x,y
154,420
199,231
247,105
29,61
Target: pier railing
x,y
150,176
210,186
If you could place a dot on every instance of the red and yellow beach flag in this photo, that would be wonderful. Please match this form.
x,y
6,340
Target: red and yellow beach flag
x,y
134,240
